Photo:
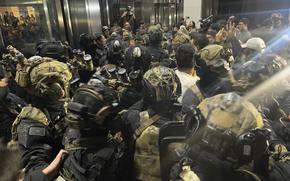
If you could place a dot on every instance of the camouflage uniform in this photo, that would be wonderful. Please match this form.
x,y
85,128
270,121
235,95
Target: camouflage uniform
x,y
143,120
158,56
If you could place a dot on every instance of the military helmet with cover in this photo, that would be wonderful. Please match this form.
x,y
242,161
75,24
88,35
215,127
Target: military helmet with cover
x,y
45,77
217,58
160,84
179,39
227,126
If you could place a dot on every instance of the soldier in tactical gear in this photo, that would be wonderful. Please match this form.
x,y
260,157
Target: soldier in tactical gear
x,y
213,66
10,61
116,52
143,120
93,152
157,54
224,135
10,107
39,128
136,58
273,103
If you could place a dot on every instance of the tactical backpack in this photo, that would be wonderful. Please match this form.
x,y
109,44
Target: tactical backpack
x,y
146,157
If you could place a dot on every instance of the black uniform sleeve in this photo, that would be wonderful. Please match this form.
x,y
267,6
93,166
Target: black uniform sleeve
x,y
36,176
36,145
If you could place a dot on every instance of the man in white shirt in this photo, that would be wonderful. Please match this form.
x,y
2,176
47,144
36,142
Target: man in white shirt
x,y
185,57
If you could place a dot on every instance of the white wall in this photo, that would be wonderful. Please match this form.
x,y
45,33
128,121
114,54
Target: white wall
x,y
192,8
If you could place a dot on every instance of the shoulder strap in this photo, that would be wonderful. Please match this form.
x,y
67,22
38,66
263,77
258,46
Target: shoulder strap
x,y
145,122
197,92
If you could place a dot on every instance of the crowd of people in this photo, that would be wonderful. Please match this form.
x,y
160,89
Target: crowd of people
x,y
19,30
146,103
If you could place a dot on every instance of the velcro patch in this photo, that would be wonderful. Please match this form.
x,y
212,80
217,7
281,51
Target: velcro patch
x,y
36,131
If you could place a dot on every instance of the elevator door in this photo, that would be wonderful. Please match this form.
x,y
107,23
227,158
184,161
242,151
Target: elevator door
x,y
167,14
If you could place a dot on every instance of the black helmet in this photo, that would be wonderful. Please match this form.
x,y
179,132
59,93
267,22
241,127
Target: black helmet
x,y
52,49
94,103
155,36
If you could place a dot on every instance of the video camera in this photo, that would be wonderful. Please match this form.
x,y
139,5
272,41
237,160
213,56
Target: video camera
x,y
205,23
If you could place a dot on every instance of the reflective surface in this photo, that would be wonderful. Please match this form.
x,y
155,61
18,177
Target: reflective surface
x,y
23,23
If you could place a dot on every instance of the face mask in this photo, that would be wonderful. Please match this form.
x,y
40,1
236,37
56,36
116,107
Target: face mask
x,y
4,91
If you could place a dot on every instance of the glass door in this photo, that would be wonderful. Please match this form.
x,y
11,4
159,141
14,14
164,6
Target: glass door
x,y
168,14
23,23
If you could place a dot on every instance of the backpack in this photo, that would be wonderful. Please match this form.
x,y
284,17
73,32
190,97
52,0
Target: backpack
x,y
146,157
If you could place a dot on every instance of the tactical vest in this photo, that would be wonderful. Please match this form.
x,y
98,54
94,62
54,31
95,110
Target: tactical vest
x,y
85,165
146,157
91,157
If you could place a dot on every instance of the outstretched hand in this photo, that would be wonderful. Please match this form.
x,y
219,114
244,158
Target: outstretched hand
x,y
51,170
231,29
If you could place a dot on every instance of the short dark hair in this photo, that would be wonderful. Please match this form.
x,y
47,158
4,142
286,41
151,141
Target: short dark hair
x,y
185,56
215,26
211,33
200,41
